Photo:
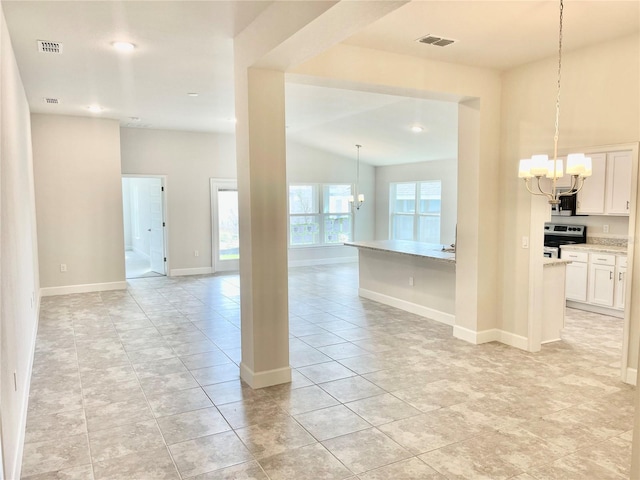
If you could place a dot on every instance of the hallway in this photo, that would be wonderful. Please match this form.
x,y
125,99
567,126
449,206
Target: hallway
x,y
143,384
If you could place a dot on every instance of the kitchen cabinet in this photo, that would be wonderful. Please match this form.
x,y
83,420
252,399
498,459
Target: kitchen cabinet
x,y
591,197
618,183
621,282
595,280
576,276
601,285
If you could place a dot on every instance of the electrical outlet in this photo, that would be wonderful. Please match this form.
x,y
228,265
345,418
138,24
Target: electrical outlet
x,y
605,229
63,267
196,253
411,281
525,242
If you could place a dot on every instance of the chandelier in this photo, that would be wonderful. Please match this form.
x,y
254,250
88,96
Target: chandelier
x,y
538,166
359,196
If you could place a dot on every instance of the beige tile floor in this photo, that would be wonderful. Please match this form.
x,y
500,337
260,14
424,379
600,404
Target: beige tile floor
x,y
143,384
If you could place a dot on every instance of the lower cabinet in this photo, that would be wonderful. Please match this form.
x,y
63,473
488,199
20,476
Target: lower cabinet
x,y
596,278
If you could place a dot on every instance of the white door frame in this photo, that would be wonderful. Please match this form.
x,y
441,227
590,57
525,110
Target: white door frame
x,y
216,184
165,213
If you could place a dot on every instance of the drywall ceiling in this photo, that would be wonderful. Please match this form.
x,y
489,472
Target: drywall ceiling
x,y
187,47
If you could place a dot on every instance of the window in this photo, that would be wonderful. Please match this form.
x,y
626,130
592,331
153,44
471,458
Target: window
x,y
414,211
319,214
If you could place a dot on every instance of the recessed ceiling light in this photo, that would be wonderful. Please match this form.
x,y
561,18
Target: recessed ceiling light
x,y
192,94
417,129
123,46
95,109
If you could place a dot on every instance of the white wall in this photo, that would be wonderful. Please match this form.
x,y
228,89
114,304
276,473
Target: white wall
x,y
18,257
189,160
78,202
600,106
444,170
305,164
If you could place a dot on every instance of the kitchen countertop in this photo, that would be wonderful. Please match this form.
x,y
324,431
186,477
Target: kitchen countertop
x,y
594,247
552,262
405,247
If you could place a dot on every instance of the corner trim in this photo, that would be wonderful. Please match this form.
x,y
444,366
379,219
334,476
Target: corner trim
x,y
437,315
89,287
266,378
181,272
492,335
631,376
322,261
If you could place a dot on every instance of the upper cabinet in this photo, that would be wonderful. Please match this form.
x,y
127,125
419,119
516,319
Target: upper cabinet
x,y
608,190
618,183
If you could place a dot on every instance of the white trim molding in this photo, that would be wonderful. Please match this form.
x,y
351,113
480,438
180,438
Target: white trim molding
x,y
89,287
265,379
437,315
181,272
631,376
492,335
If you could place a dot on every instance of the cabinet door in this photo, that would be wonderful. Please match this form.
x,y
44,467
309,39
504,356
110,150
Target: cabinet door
x,y
576,282
591,198
618,183
621,283
601,284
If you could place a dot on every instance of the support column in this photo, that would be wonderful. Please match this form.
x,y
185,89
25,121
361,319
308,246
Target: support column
x,y
262,198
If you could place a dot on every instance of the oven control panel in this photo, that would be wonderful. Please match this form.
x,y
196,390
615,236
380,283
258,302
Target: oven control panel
x,y
570,230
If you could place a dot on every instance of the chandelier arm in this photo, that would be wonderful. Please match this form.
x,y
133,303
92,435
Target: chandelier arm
x,y
526,182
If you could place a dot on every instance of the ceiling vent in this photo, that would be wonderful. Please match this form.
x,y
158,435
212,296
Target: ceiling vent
x,y
435,40
51,101
49,47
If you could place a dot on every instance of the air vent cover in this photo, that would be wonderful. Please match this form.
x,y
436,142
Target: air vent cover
x,y
51,101
45,46
435,40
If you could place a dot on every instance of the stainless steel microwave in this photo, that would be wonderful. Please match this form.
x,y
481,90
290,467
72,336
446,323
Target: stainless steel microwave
x,y
567,206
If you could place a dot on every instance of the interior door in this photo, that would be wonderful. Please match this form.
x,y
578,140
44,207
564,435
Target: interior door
x,y
225,235
157,226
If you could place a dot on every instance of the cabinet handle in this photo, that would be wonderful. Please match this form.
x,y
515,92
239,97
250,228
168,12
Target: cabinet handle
x,y
619,276
602,259
610,275
627,204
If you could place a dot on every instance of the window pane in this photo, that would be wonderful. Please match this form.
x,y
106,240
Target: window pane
x,y
304,230
402,227
337,228
336,198
228,234
430,193
303,199
429,229
403,197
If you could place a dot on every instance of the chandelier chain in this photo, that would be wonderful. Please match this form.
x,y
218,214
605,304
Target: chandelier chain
x,y
555,138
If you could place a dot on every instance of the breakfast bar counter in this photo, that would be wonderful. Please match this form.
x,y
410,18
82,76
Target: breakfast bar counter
x,y
413,276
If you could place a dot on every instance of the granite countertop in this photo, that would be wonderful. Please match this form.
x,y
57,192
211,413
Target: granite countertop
x,y
405,247
552,262
594,247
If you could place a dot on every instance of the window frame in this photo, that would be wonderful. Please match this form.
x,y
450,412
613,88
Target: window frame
x,y
322,213
416,214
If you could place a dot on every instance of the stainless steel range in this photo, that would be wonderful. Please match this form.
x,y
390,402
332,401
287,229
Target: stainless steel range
x,y
556,235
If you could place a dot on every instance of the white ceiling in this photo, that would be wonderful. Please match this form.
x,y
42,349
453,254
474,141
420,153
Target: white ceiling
x,y
187,46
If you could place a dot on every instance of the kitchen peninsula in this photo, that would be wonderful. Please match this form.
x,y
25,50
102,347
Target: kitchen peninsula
x,y
413,276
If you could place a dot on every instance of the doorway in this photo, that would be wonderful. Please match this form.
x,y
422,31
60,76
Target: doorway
x,y
225,235
143,206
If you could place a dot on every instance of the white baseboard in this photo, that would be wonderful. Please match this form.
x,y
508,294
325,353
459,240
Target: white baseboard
x,y
181,272
89,287
587,307
631,376
17,461
311,262
492,335
437,315
265,379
